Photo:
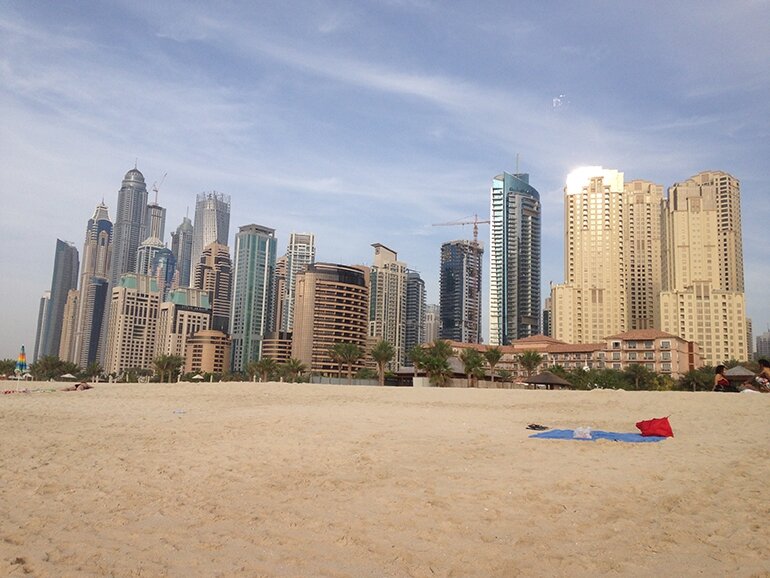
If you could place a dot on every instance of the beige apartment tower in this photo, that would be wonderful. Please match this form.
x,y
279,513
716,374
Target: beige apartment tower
x,y
592,301
185,312
703,298
331,306
132,327
208,351
387,318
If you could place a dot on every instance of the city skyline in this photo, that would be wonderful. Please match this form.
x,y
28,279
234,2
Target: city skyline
x,y
334,132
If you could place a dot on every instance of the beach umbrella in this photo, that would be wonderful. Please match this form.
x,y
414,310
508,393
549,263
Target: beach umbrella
x,y
68,376
197,377
548,379
21,363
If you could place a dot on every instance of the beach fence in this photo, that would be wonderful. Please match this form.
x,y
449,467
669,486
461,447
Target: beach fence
x,y
341,381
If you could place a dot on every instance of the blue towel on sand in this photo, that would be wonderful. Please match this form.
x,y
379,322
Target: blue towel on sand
x,y
568,434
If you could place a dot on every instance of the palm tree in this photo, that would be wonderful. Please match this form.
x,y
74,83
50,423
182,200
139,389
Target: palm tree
x,y
436,362
93,371
294,368
529,360
473,361
167,365
639,375
417,355
493,355
505,375
335,357
382,353
348,354
266,367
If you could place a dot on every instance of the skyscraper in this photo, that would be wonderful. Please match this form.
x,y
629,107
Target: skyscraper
x,y
460,291
592,303
212,222
128,230
387,317
644,205
97,255
65,277
154,220
432,323
132,327
332,306
415,313
214,274
251,312
42,315
299,254
185,312
702,298
181,247
514,259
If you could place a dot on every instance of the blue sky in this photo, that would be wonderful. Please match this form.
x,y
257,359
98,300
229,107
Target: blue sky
x,y
367,121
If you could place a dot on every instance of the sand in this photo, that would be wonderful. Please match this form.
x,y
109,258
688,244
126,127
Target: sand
x,y
244,479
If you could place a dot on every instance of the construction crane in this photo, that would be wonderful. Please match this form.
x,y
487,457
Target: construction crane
x,y
156,186
475,222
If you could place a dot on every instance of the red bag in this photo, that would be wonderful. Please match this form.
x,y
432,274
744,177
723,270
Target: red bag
x,y
656,427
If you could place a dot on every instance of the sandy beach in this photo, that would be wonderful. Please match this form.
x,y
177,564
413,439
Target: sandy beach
x,y
245,479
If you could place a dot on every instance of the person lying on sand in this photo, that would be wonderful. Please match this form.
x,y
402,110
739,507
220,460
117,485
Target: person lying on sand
x,y
78,387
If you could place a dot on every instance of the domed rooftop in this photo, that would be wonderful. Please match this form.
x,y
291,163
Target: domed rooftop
x,y
134,175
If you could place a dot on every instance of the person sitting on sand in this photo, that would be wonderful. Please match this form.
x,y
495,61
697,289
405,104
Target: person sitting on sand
x,y
721,383
761,381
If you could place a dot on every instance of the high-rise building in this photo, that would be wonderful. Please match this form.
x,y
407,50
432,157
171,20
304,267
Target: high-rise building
x,y
251,316
644,205
432,323
65,277
214,274
153,258
181,247
42,315
155,220
212,222
331,306
763,346
299,254
387,317
132,327
592,303
279,294
94,273
514,259
547,324
415,313
128,230
702,298
69,318
460,291
185,312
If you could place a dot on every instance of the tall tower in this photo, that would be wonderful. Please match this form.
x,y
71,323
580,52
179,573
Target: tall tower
x,y
387,318
514,259
460,291
212,222
299,254
133,324
644,205
65,277
432,323
592,302
214,274
42,315
181,246
155,220
97,254
332,306
128,230
415,313
251,312
703,298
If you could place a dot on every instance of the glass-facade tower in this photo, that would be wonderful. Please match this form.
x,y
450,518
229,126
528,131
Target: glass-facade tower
x,y
514,259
